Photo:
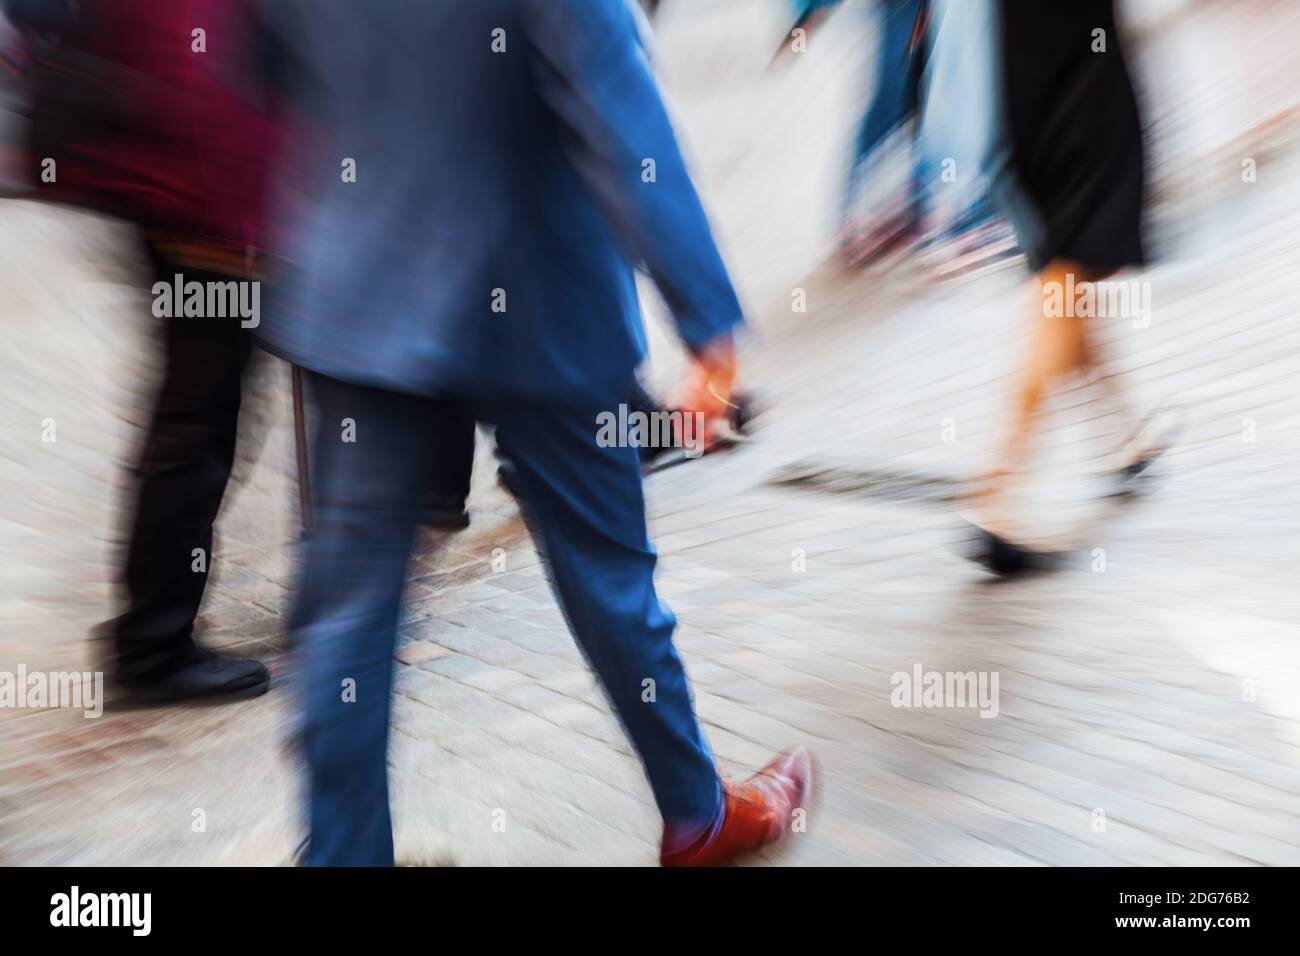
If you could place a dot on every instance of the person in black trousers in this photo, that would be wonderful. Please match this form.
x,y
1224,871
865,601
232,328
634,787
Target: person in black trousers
x,y
159,139
183,471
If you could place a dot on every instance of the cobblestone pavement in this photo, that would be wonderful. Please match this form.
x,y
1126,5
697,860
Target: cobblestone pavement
x,y
1162,692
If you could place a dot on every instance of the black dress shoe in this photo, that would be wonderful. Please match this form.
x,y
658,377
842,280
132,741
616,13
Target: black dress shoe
x,y
1005,558
207,677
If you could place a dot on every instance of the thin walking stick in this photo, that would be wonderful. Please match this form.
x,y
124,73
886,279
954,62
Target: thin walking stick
x,y
300,444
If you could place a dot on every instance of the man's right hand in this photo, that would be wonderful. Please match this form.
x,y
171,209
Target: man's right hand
x,y
708,381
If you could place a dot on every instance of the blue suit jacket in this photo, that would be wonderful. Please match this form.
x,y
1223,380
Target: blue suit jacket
x,y
532,177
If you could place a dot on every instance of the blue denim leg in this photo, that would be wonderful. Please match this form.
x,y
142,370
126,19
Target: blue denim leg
x,y
895,96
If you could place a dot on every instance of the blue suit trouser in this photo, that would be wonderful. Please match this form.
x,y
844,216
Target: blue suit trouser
x,y
587,513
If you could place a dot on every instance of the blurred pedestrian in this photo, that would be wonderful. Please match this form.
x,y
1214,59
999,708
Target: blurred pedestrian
x,y
131,109
895,101
476,247
1070,178
959,121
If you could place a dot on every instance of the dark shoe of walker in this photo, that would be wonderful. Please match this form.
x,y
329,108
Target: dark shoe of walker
x,y
1004,557
207,677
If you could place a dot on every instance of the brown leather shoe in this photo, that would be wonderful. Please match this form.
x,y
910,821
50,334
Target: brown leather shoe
x,y
758,811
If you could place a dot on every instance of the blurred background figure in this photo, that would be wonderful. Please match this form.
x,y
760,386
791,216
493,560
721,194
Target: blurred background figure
x,y
958,129
917,177
131,115
472,250
1070,178
900,63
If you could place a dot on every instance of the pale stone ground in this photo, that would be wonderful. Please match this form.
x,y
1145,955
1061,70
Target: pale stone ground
x,y
1162,690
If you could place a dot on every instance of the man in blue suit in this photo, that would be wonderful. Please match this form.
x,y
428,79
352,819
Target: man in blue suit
x,y
490,173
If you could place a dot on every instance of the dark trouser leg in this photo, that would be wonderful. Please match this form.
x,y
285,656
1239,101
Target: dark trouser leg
x,y
344,623
183,473
587,511
453,467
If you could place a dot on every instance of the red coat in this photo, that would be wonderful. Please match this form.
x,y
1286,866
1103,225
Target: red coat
x,y
196,160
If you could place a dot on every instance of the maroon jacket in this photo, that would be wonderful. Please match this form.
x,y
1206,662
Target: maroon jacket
x,y
194,159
